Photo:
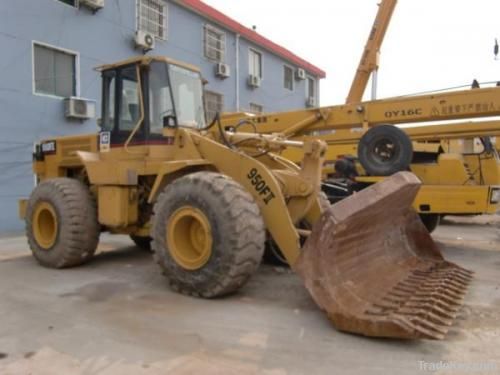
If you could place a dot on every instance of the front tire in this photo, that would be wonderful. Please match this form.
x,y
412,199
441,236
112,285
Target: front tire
x,y
208,235
61,223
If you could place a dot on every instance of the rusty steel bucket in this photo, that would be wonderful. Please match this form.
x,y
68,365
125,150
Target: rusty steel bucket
x,y
374,268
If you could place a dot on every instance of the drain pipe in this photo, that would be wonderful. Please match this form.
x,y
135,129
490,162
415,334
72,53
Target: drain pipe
x,y
237,72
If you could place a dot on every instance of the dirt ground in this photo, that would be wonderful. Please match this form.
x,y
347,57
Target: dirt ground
x,y
116,315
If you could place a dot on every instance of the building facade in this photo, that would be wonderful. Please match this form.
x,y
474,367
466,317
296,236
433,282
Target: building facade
x,y
49,49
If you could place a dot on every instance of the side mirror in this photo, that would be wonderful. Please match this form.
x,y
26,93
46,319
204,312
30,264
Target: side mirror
x,y
170,122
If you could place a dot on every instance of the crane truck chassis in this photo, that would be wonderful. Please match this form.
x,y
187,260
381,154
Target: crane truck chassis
x,y
453,183
206,198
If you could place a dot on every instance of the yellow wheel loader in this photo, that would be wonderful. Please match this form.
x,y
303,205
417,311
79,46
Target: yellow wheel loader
x,y
206,199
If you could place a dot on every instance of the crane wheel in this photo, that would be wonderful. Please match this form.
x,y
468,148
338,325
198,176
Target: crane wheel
x,y
208,234
61,223
384,150
143,243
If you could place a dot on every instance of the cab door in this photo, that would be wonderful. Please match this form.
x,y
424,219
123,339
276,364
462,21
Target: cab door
x,y
121,108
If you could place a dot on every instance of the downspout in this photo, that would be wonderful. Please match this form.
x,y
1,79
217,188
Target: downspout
x,y
237,72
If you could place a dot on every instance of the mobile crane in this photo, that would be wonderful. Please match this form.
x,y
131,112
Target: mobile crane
x,y
453,183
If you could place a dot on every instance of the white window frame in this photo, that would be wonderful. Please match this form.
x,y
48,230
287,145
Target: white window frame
x,y
308,77
293,77
165,20
252,49
76,54
204,39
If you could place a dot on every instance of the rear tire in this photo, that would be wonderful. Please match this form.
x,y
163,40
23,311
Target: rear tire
x,y
208,235
61,223
431,221
143,243
385,150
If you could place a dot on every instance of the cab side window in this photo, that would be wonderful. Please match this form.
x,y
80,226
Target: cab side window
x,y
108,101
129,101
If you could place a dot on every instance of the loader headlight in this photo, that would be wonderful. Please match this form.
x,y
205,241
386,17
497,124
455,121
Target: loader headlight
x,y
495,196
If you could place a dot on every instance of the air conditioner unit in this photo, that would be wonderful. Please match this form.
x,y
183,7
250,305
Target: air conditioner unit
x,y
311,101
95,5
254,81
79,108
144,40
300,74
222,70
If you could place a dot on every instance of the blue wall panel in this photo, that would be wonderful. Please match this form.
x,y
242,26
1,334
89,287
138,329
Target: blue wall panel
x,y
104,37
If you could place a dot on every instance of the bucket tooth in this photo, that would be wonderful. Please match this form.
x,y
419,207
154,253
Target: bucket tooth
x,y
371,265
452,301
429,326
420,331
436,303
435,309
428,315
445,289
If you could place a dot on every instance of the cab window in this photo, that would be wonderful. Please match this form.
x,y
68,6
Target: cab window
x,y
108,101
129,105
160,100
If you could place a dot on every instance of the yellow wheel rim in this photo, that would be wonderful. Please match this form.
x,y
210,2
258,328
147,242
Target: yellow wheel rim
x,y
45,225
189,238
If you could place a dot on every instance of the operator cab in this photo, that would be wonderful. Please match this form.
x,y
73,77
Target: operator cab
x,y
148,94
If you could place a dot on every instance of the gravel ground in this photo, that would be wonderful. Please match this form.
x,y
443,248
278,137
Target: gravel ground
x,y
117,316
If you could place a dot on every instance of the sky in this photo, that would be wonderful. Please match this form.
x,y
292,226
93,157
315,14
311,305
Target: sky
x,y
430,44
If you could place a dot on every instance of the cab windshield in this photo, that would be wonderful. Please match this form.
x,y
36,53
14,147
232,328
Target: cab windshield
x,y
187,91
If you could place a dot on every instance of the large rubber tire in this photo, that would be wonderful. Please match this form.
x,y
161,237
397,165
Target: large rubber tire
x,y
76,229
385,150
236,227
143,243
431,221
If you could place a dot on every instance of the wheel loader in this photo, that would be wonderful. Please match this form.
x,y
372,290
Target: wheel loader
x,y
206,199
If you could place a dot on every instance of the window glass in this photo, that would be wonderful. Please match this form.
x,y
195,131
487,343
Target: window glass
x,y
152,17
288,77
256,108
108,120
214,102
255,63
311,88
160,101
129,101
69,2
188,96
54,72
215,44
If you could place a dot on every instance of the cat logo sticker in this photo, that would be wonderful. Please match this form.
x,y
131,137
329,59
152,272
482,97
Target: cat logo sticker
x,y
104,141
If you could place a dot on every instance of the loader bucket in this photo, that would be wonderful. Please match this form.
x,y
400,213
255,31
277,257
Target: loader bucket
x,y
374,268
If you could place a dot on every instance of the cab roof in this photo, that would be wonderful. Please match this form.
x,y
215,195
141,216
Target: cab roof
x,y
146,60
